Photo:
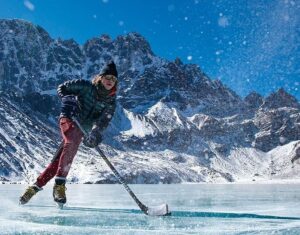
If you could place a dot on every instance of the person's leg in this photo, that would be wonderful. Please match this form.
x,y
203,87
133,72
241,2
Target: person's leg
x,y
47,174
72,138
51,169
43,178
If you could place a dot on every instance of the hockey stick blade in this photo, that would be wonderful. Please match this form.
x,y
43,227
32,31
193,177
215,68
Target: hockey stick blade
x,y
161,210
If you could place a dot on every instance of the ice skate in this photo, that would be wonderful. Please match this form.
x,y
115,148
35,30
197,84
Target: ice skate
x,y
28,194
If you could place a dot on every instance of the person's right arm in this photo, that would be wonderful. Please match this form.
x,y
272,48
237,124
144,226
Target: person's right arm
x,y
73,87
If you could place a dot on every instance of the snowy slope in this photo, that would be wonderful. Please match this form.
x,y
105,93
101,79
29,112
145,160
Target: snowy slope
x,y
242,165
245,164
25,142
281,167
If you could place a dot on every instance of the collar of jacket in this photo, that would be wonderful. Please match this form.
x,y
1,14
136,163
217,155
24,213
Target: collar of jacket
x,y
101,92
113,90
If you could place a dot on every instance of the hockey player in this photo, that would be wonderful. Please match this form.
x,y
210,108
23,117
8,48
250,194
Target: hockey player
x,y
93,104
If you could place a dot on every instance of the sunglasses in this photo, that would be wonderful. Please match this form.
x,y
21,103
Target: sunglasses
x,y
110,78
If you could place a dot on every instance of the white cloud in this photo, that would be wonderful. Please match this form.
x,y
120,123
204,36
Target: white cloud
x,y
29,5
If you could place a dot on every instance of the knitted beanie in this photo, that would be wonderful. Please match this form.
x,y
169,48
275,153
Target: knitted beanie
x,y
110,69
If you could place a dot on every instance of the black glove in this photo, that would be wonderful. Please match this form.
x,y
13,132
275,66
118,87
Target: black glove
x,y
93,139
69,106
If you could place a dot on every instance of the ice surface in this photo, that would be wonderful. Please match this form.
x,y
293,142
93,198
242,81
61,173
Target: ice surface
x,y
196,209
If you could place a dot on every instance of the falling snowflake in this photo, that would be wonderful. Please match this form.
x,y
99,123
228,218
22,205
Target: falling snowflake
x,y
286,18
223,21
121,23
282,139
29,5
189,57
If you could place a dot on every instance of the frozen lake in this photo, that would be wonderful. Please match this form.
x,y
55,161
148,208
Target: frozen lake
x,y
196,209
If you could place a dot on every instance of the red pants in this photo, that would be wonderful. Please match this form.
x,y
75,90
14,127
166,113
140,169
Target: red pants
x,y
61,165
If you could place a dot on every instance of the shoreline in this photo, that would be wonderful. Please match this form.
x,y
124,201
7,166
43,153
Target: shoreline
x,y
247,182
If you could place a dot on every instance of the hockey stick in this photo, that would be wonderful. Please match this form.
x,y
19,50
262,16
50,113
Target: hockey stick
x,y
160,210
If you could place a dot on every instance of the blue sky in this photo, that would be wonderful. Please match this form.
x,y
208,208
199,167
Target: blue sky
x,y
250,45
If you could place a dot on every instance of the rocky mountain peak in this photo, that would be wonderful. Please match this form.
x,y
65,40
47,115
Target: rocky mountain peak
x,y
104,41
254,100
280,99
133,50
21,29
178,62
133,42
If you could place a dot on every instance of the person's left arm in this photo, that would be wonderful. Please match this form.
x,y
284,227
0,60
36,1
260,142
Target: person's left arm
x,y
102,122
95,136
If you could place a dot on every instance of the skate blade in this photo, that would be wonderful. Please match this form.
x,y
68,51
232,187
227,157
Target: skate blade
x,y
60,205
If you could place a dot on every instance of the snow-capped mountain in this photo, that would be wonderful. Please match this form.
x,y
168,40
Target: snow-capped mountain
x,y
173,123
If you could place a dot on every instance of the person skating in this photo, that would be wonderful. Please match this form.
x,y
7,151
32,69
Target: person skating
x,y
93,103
